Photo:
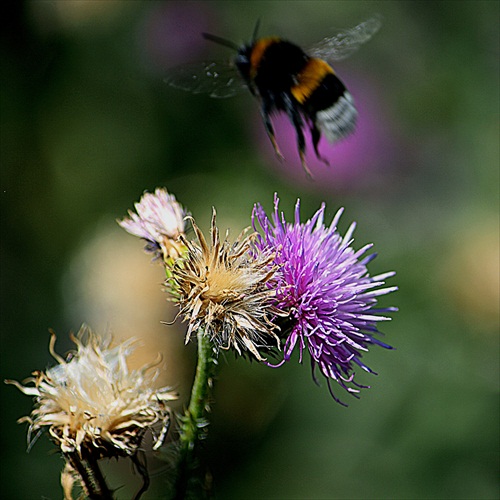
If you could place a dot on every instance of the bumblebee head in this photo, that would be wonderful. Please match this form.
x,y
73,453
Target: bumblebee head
x,y
242,61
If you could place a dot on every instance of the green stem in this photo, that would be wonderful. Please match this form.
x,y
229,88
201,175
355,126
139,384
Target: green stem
x,y
195,422
91,476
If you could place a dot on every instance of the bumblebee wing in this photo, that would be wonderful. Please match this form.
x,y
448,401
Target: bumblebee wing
x,y
342,45
217,79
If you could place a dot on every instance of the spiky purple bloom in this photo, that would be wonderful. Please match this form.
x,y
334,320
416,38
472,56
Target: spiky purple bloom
x,y
324,285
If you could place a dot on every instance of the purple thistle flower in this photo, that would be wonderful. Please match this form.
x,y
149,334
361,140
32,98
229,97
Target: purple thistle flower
x,y
324,285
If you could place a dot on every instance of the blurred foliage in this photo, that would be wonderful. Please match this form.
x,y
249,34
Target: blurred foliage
x,y
87,124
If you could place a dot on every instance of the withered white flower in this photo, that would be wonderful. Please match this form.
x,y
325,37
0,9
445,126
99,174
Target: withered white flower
x,y
160,220
92,403
223,290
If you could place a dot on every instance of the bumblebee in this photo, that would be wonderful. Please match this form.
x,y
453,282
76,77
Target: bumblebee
x,y
285,78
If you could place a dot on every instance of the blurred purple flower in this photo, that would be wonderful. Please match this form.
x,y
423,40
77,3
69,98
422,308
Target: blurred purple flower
x,y
324,285
171,33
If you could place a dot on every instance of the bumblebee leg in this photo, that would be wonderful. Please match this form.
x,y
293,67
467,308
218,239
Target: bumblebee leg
x,y
295,118
270,131
304,164
315,136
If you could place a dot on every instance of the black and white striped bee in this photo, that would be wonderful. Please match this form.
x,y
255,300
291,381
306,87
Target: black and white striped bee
x,y
285,78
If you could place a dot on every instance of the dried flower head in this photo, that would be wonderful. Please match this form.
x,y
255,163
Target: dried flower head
x,y
92,403
222,289
160,221
325,286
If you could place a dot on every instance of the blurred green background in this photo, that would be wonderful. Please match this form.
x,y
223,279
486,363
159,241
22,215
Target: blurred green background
x,y
87,125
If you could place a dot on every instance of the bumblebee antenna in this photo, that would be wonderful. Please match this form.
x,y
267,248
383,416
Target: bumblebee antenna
x,y
255,30
220,41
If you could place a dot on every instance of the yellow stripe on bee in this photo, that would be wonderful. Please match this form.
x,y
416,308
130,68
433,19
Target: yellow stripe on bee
x,y
309,79
258,50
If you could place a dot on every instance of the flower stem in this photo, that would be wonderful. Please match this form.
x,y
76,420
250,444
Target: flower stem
x,y
194,422
91,476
